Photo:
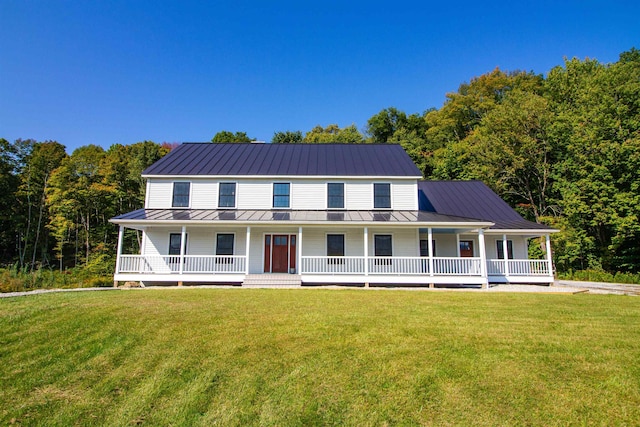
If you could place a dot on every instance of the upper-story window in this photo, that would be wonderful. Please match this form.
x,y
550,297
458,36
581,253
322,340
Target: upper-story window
x,y
181,194
281,192
382,196
335,195
227,195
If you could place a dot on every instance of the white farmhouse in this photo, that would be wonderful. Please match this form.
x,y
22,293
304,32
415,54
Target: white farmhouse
x,y
321,214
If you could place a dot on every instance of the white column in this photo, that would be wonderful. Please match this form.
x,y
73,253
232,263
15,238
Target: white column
x,y
366,251
183,242
119,250
246,251
483,258
549,258
299,254
430,237
458,245
505,247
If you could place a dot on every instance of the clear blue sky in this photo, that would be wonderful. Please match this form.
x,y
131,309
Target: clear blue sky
x,y
105,72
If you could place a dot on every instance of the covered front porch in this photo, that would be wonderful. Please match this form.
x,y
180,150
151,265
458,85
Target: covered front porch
x,y
378,254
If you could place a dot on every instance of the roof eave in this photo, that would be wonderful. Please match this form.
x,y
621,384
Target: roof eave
x,y
407,177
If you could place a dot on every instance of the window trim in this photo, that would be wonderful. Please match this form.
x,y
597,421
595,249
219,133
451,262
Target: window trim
x,y
173,191
215,246
373,192
235,195
273,195
344,196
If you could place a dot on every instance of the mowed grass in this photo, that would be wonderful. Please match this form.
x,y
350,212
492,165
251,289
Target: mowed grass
x,y
319,357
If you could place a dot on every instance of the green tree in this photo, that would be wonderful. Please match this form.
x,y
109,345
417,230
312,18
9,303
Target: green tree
x,y
333,133
597,111
287,137
40,160
8,184
226,136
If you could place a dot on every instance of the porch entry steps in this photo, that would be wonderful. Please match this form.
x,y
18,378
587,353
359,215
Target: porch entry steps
x,y
272,280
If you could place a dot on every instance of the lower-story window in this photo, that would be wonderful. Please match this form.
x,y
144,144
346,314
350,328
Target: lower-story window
x,y
500,249
224,246
175,240
335,247
424,247
383,247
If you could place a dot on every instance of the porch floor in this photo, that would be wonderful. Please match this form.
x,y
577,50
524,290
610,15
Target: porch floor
x,y
272,280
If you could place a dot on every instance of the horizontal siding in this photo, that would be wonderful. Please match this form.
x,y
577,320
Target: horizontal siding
x,y
306,194
204,194
160,192
254,194
404,195
309,195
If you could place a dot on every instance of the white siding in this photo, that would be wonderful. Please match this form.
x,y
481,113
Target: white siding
x,y
520,249
309,194
200,240
306,194
314,241
204,194
160,194
404,195
404,241
359,195
254,194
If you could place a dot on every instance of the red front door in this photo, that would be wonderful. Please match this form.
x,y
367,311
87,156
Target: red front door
x,y
280,254
466,248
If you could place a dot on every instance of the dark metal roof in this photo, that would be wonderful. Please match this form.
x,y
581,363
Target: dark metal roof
x,y
294,216
471,199
346,160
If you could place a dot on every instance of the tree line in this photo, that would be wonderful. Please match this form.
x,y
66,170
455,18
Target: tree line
x,y
563,149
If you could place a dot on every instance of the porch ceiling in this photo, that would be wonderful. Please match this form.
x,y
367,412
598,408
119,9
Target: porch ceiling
x,y
142,217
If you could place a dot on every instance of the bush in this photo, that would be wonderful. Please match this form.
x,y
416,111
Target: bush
x,y
600,276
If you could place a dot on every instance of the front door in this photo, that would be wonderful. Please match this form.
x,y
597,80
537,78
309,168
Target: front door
x,y
279,253
466,248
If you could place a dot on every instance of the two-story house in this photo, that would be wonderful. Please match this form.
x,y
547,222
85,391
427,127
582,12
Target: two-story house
x,y
321,214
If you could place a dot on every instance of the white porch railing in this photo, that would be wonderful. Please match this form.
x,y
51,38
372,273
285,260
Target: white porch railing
x,y
170,264
518,267
390,265
453,266
398,265
332,265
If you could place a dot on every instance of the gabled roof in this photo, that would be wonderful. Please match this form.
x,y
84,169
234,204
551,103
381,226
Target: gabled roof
x,y
208,159
472,199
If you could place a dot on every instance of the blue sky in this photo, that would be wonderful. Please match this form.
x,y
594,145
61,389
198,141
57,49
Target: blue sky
x,y
105,72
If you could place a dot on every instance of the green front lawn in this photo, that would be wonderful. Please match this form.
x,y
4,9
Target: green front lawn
x,y
319,357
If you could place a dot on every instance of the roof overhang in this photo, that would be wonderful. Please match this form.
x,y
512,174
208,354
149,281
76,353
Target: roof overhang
x,y
196,217
327,177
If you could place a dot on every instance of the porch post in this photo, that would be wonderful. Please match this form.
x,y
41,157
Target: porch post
x,y
505,246
246,250
118,252
430,237
549,258
483,258
458,244
183,237
366,251
299,249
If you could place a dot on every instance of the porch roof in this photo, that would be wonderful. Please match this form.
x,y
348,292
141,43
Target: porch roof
x,y
474,199
143,217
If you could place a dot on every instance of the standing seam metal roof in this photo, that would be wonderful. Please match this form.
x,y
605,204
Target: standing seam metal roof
x,y
471,199
209,159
